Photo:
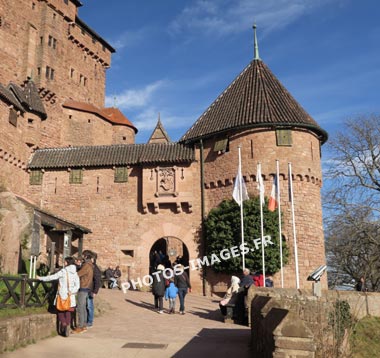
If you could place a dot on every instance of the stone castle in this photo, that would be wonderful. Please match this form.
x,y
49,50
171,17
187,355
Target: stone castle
x,y
78,180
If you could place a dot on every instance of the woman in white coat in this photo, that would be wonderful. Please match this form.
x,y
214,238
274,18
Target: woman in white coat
x,y
68,282
231,294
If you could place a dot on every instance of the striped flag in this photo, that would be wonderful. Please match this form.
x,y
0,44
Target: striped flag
x,y
272,205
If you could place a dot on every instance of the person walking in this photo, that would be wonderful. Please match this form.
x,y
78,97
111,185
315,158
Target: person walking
x,y
68,280
96,283
171,293
183,283
85,274
158,288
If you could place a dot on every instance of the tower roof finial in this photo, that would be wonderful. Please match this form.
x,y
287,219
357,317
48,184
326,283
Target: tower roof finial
x,y
255,44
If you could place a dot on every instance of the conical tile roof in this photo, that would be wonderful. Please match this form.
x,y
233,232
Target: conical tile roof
x,y
256,98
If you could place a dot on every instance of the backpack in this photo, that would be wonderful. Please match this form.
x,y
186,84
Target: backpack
x,y
97,279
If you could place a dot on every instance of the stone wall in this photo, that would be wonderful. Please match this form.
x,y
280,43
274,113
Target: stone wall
x,y
19,331
122,232
289,323
260,146
16,223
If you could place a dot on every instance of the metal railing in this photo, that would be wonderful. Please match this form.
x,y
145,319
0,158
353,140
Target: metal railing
x,y
20,291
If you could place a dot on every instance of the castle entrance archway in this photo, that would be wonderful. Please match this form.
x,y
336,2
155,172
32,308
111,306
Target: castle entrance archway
x,y
168,251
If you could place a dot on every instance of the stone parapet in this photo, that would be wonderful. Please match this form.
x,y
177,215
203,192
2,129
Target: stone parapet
x,y
293,323
19,331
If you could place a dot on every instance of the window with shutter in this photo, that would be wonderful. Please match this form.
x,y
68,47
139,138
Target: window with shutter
x,y
35,177
284,137
76,176
121,175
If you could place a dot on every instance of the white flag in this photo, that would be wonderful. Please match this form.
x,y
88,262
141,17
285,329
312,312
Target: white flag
x,y
240,187
260,183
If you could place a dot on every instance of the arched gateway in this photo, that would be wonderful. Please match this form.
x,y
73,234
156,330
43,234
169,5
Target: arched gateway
x,y
167,251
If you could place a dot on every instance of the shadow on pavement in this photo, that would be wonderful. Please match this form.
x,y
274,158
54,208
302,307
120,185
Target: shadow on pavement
x,y
201,312
215,342
146,305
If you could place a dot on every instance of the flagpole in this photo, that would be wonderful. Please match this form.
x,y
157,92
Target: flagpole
x,y
241,208
279,219
294,225
259,178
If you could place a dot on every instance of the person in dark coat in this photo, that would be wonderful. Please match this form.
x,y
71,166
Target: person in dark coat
x,y
360,285
183,283
158,289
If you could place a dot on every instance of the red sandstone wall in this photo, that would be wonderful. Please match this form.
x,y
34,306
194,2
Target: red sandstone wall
x,y
123,135
113,211
260,146
14,152
78,59
84,128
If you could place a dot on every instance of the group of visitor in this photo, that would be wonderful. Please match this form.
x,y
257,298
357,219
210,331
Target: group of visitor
x,y
79,282
177,285
112,276
237,291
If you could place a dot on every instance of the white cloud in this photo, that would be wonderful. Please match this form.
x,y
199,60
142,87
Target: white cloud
x,y
134,97
130,38
235,16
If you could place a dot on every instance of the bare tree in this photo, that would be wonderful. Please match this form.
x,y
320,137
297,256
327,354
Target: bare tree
x,y
352,202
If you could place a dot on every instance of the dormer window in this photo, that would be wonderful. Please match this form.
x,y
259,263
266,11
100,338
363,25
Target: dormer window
x,y
222,146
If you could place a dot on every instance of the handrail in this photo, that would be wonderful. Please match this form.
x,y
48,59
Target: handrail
x,y
21,291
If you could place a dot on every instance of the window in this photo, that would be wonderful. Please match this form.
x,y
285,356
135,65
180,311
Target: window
x,y
121,174
41,40
50,41
49,74
221,146
284,137
38,71
129,253
35,177
13,117
30,121
76,176
72,73
80,79
33,6
85,81
54,43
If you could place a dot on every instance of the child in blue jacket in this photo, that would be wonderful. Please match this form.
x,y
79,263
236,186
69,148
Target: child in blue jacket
x,y
171,293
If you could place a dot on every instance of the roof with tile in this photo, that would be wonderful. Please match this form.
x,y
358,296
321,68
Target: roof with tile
x,y
9,97
24,99
111,114
111,155
256,98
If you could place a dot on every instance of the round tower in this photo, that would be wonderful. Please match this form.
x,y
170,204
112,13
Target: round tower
x,y
256,112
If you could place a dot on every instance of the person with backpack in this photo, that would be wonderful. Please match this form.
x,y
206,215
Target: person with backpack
x,y
96,283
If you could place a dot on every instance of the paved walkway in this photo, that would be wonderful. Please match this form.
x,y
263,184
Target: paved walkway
x,y
132,322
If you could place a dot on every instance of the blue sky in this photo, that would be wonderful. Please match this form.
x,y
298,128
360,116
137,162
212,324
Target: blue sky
x,y
174,57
